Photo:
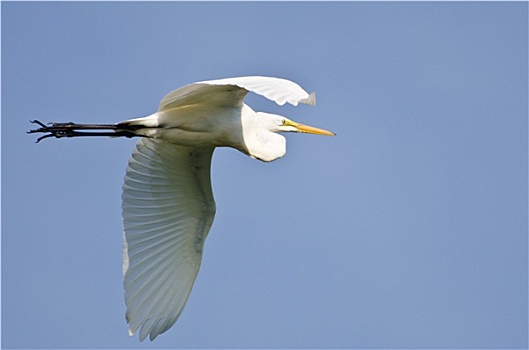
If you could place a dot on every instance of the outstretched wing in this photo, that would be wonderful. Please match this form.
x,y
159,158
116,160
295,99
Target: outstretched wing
x,y
168,209
231,92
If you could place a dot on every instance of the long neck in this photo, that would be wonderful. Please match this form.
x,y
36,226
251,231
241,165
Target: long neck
x,y
261,143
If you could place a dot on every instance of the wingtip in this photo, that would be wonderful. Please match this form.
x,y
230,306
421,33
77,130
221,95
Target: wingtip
x,y
311,100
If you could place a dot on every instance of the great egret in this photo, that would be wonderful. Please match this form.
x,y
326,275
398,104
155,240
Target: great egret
x,y
168,205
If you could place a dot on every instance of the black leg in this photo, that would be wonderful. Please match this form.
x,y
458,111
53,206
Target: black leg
x,y
59,130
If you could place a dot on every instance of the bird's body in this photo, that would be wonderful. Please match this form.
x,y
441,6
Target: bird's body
x,y
168,206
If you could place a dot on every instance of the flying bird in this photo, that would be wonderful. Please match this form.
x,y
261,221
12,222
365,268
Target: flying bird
x,y
167,200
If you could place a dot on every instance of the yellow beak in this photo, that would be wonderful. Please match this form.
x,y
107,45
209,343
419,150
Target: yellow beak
x,y
310,129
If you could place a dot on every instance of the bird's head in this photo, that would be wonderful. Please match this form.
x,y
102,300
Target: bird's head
x,y
263,141
278,123
287,125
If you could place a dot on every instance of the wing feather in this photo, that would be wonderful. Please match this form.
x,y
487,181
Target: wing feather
x,y
231,92
168,209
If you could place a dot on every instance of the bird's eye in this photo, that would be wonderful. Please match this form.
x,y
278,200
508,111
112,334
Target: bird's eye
x,y
284,122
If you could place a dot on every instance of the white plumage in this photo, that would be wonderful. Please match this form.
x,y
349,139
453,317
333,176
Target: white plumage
x,y
168,204
168,209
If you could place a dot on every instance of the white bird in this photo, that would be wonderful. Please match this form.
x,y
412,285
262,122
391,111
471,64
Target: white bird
x,y
168,204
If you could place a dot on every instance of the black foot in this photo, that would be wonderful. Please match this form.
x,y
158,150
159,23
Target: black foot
x,y
52,129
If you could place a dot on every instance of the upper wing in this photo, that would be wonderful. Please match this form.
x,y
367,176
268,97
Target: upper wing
x,y
168,209
231,92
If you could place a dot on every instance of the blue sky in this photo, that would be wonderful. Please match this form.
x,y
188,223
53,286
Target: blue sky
x,y
408,229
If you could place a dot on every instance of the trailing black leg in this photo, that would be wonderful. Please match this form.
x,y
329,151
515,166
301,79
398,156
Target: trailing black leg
x,y
59,130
